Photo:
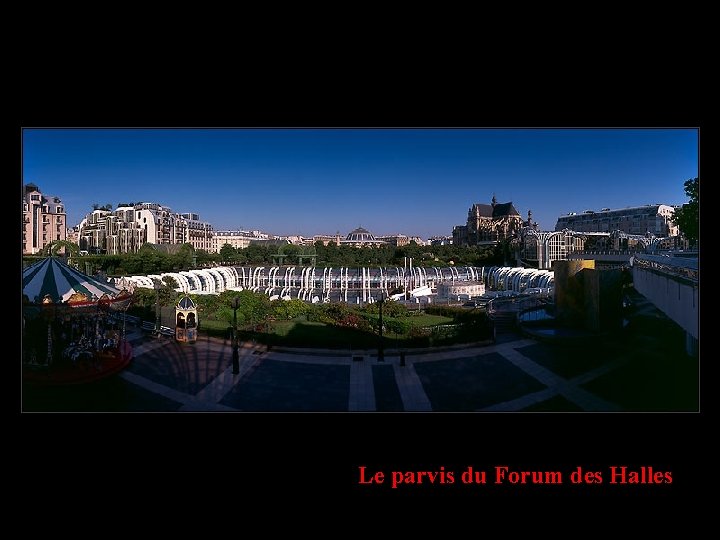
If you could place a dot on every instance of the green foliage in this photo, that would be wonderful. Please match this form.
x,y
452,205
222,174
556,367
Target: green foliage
x,y
183,259
143,297
228,253
224,314
339,325
206,304
687,218
167,294
71,248
290,309
254,307
397,326
445,311
205,258
382,255
390,308
257,254
147,260
337,310
170,282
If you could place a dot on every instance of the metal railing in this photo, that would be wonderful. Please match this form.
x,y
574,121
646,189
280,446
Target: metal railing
x,y
681,267
504,306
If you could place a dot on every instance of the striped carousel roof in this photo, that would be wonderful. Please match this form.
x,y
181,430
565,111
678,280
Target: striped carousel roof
x,y
60,281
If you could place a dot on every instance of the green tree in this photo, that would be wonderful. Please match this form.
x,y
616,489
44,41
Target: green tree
x,y
205,258
255,308
71,248
687,218
144,297
228,252
256,254
291,250
183,259
168,295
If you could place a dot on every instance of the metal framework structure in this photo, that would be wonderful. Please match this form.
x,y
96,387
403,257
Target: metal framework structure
x,y
550,246
348,284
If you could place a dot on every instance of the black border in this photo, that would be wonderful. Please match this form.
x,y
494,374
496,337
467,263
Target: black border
x,y
305,458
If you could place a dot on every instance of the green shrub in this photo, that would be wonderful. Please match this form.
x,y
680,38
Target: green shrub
x,y
445,311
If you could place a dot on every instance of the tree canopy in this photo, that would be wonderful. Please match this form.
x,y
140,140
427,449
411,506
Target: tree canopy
x,y
151,260
687,218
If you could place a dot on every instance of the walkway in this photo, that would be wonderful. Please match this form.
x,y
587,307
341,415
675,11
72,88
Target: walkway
x,y
514,374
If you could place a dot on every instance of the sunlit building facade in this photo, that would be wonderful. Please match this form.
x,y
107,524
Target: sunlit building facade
x,y
129,226
44,219
237,239
651,219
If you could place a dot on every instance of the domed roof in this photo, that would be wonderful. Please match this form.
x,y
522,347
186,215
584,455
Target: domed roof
x,y
360,235
186,303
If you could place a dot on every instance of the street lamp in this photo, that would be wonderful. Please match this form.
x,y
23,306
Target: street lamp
x,y
235,355
381,351
157,284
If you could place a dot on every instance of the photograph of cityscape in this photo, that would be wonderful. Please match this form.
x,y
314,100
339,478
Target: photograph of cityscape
x,y
360,270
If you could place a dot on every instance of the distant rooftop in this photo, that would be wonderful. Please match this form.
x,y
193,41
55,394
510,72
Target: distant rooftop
x,y
605,210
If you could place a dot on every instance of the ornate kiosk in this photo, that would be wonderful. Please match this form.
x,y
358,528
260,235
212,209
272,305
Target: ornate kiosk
x,y
186,320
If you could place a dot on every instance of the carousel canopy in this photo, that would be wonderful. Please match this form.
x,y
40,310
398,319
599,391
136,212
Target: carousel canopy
x,y
55,278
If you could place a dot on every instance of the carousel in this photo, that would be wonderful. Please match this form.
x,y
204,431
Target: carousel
x,y
73,328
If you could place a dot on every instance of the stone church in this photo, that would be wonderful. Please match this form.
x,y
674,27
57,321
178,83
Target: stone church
x,y
488,224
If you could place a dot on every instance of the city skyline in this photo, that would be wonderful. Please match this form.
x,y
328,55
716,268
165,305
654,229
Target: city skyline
x,y
322,181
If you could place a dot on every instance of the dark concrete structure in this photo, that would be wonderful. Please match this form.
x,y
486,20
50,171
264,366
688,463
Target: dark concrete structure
x,y
586,297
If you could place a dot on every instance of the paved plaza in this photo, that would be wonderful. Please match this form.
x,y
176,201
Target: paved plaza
x,y
636,373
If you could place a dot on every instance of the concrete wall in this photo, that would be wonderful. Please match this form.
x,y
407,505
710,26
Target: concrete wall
x,y
603,299
677,298
570,292
587,297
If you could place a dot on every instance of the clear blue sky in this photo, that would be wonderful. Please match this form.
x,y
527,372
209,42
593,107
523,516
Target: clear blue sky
x,y
314,181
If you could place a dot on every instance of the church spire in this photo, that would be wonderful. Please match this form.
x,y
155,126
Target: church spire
x,y
494,200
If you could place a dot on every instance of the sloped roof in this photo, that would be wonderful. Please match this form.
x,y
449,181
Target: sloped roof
x,y
505,209
500,210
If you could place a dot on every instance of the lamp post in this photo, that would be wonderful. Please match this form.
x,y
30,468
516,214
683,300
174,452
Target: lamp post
x,y
235,354
124,319
381,351
157,284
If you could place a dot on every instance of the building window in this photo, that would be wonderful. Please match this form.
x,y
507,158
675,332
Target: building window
x,y
34,197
